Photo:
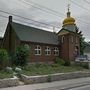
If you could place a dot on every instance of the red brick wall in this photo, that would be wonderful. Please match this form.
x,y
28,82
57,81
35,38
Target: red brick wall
x,y
10,40
42,57
64,47
72,46
68,47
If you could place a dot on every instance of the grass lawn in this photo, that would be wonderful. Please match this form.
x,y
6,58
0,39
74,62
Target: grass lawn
x,y
43,69
4,74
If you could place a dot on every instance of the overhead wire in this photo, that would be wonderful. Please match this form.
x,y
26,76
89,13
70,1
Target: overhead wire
x,y
84,21
80,6
27,18
37,21
42,8
86,1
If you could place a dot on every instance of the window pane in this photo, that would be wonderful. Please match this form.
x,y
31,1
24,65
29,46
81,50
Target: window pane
x,y
47,51
37,50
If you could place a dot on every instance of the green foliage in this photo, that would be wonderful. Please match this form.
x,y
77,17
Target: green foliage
x,y
32,70
86,66
67,63
87,48
49,78
21,55
82,42
82,45
4,74
59,61
4,59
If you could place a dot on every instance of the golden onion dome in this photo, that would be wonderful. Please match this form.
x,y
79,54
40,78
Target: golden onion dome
x,y
69,20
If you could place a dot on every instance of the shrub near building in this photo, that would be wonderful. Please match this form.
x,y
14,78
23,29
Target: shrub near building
x,y
4,59
21,55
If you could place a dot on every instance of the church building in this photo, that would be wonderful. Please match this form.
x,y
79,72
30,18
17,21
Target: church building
x,y
44,45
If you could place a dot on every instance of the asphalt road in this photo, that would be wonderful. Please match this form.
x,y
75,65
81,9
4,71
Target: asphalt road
x,y
73,84
87,87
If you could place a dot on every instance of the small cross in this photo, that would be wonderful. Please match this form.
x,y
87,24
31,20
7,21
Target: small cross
x,y
68,7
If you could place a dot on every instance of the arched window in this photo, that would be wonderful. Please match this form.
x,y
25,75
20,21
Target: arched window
x,y
38,50
27,46
47,51
62,39
56,51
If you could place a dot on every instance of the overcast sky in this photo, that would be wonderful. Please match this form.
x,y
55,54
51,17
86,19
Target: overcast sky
x,y
51,12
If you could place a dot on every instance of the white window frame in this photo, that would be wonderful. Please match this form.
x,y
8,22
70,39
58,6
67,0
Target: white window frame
x,y
56,51
47,51
38,50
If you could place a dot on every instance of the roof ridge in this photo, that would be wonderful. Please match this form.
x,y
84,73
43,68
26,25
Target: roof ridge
x,y
27,33
32,27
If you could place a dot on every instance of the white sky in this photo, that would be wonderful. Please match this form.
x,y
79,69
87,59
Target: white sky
x,y
80,12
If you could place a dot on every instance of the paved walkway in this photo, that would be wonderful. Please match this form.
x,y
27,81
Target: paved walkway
x,y
58,85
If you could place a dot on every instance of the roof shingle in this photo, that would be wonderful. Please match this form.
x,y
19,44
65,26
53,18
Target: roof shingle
x,y
27,33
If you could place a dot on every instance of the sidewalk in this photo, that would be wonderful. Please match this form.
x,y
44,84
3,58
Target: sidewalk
x,y
58,85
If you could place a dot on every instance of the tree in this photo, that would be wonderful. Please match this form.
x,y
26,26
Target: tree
x,y
4,58
82,41
82,44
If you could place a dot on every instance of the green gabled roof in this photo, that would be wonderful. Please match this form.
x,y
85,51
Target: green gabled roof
x,y
32,34
66,30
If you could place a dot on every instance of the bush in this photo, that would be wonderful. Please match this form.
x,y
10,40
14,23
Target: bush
x,y
59,61
21,55
67,63
86,66
4,59
9,70
49,78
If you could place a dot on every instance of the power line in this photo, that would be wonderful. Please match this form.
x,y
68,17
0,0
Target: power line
x,y
20,21
3,16
34,23
34,20
16,20
29,22
80,6
83,21
42,8
47,8
26,18
86,1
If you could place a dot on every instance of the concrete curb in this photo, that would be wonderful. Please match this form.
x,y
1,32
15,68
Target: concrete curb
x,y
9,82
53,77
